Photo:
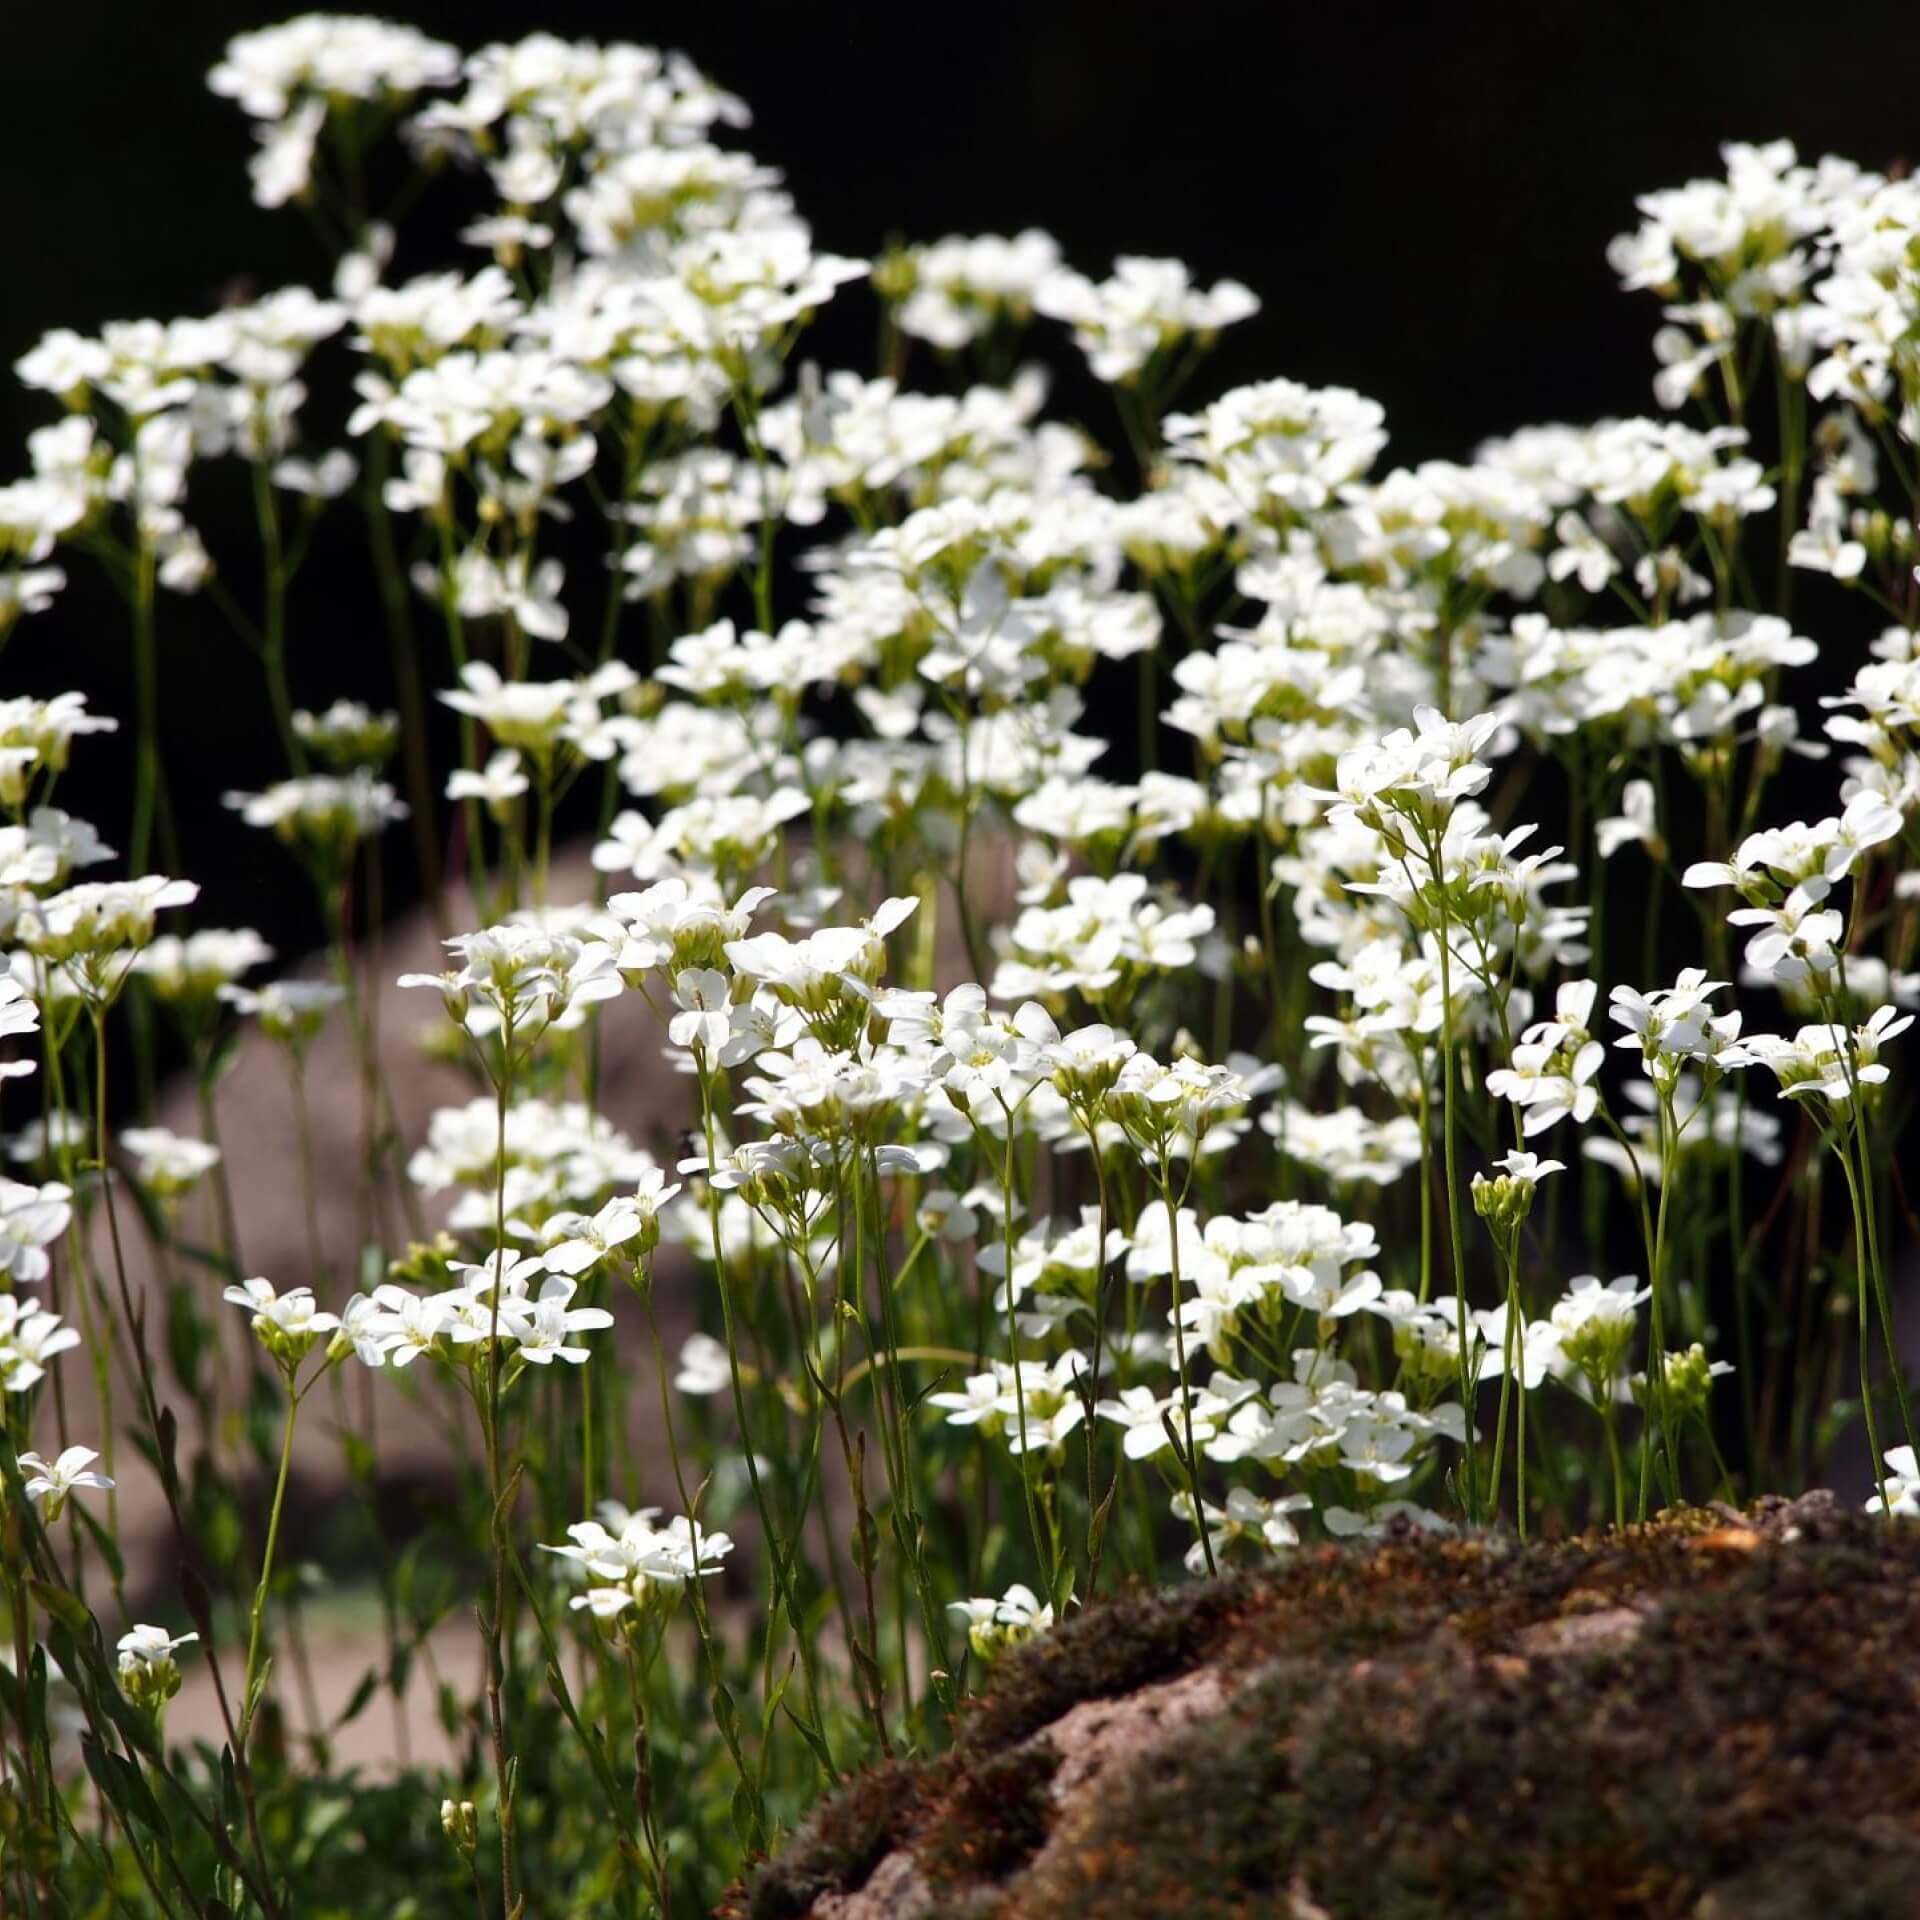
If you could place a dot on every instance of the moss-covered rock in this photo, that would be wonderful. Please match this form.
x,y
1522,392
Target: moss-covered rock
x,y
1717,1718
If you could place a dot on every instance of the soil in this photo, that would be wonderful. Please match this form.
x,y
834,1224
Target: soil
x,y
1713,1718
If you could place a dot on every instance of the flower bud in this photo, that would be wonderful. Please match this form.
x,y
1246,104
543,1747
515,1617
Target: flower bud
x,y
1502,1202
461,1824
1689,1383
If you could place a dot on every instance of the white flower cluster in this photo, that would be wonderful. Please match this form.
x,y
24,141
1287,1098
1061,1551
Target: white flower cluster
x,y
1211,1015
631,1564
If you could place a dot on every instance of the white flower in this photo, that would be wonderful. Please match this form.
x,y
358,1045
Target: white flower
x,y
1147,306
1551,1074
496,786
1267,1523
30,1336
1525,1166
585,1241
286,1324
168,1162
291,1012
679,923
1902,1478
143,1646
31,1219
1634,824
196,967
1087,1061
704,1369
993,1625
704,1023
95,930
148,1674
1594,1326
1142,1413
324,815
634,1563
1581,555
521,978
1825,1062
1674,1027
51,1482
545,1332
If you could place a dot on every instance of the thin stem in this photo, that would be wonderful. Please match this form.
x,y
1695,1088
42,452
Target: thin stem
x,y
1881,1297
1608,1417
1866,1375
1449,1071
505,1767
1191,1460
146,681
1096,1511
1043,1556
251,1687
273,630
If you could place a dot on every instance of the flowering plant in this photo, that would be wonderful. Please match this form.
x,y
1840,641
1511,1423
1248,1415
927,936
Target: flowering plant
x,y
1068,1164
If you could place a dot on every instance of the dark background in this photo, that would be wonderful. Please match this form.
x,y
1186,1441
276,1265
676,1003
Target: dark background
x,y
1421,194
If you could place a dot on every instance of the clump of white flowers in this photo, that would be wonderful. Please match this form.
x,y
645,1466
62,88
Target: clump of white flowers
x,y
1065,1156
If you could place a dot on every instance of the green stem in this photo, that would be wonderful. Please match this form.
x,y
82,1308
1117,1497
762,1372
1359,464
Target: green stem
x,y
251,1688
397,605
505,1767
1041,1553
273,632
1506,1392
146,684
1866,1377
1881,1297
1096,1514
1607,1420
1448,1067
1192,1460
1657,1349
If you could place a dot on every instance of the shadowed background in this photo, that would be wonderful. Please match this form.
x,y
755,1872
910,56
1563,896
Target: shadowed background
x,y
1421,194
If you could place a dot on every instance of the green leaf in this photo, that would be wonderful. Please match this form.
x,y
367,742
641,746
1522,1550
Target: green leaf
x,y
779,1693
68,1608
725,1716
187,1340
357,1703
129,1790
97,1758
1097,1527
746,1819
226,1050
107,1545
815,1740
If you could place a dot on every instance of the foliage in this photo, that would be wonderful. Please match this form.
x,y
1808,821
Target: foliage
x,y
1080,1175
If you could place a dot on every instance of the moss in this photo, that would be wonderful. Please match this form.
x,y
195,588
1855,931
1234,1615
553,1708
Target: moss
x,y
1197,1827
1752,1751
1105,1651
1836,1872
839,1844
1404,1744
993,1821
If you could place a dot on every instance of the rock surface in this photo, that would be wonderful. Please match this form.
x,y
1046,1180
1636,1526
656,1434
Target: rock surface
x,y
1711,1719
